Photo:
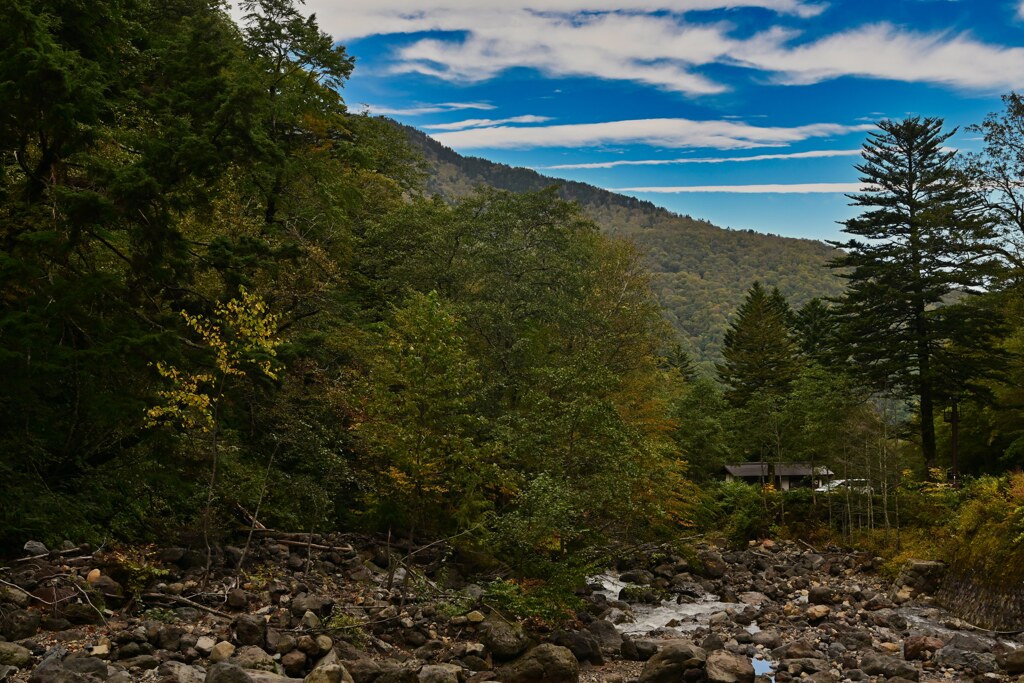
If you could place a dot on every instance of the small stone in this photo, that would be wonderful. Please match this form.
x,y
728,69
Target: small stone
x,y
333,673
294,663
36,548
237,598
475,617
204,645
310,621
324,643
222,651
817,612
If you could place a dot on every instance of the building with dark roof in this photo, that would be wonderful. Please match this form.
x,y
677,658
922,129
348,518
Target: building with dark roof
x,y
784,476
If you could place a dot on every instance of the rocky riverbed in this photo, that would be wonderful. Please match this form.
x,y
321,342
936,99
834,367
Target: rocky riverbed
x,y
331,608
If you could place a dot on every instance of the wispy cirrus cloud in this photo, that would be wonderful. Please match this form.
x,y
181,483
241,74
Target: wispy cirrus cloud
x,y
671,133
658,43
779,188
813,154
483,123
422,109
884,51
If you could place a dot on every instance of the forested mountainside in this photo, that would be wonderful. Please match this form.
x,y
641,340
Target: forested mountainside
x,y
701,271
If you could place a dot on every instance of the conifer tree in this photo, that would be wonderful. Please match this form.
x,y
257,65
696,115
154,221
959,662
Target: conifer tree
x,y
759,354
922,236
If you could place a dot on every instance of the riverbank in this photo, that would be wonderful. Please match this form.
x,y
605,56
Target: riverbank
x,y
345,608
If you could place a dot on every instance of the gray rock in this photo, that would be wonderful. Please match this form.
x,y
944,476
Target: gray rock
x,y
820,595
142,662
726,667
768,639
1013,661
250,630
874,664
222,651
13,654
968,660
179,672
81,613
19,624
439,673
252,657
608,637
505,640
672,662
86,665
36,548
331,673
294,663
921,647
545,663
223,672
582,644
237,598
798,649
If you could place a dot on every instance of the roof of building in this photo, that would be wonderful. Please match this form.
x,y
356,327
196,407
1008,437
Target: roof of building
x,y
788,469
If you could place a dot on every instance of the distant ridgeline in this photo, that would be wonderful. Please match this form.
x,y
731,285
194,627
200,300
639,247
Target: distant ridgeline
x,y
700,271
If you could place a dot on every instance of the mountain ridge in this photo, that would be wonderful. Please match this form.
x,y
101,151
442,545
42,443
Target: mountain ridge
x,y
700,271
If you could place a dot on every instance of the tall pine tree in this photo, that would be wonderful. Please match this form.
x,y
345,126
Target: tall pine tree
x,y
921,237
759,353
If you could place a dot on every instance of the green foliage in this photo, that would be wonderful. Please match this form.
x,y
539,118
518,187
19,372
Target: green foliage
x,y
550,603
349,627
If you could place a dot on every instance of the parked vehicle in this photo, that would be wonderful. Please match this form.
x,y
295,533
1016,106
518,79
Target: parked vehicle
x,y
842,485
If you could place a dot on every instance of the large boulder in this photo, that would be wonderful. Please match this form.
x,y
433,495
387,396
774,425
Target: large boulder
x,y
582,644
19,624
672,662
13,654
505,640
726,667
545,663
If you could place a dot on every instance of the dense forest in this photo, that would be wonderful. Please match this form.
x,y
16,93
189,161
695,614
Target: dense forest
x,y
699,271
224,298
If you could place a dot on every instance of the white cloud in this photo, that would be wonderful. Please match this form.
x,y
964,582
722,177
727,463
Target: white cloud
x,y
361,18
1020,10
814,154
672,133
795,188
482,123
419,110
884,51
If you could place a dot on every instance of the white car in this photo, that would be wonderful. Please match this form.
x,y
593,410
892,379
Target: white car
x,y
841,485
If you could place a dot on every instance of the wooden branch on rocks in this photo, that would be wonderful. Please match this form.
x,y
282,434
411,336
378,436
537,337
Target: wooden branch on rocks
x,y
189,603
52,554
315,546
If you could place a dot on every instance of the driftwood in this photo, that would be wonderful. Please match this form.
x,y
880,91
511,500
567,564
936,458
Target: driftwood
x,y
51,554
314,546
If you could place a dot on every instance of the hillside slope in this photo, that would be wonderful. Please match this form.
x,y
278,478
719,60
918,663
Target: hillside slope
x,y
700,271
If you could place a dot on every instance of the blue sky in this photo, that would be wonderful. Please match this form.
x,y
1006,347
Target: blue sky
x,y
749,113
